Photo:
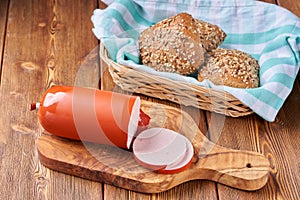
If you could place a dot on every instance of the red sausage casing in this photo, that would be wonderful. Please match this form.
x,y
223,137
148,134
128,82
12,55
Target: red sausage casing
x,y
90,115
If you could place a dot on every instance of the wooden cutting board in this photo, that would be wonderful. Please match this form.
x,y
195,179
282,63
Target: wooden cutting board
x,y
244,170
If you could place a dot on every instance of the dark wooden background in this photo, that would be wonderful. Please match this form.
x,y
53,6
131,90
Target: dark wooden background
x,y
48,42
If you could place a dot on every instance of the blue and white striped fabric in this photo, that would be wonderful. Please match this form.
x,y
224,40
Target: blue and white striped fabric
x,y
268,32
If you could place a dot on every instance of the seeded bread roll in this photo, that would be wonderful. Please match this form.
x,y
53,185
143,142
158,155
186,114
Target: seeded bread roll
x,y
211,36
231,68
172,45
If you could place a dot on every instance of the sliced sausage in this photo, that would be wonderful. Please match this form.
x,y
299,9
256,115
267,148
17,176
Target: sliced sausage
x,y
162,150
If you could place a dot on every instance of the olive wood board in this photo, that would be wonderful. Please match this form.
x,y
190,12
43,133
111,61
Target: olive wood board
x,y
244,170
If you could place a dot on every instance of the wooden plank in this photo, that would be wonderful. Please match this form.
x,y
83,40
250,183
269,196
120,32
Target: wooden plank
x,y
291,5
282,144
101,5
192,190
72,48
236,133
278,141
45,42
3,21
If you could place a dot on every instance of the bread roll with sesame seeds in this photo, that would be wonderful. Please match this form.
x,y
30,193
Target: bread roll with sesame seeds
x,y
211,36
232,68
172,45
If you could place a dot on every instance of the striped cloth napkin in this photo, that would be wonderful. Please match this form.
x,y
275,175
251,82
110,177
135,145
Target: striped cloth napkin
x,y
270,33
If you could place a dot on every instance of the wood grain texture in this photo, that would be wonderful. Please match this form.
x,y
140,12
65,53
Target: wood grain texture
x,y
18,132
239,134
286,130
3,22
71,48
252,133
291,5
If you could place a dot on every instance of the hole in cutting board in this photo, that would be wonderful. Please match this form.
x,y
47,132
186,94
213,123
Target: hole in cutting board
x,y
248,165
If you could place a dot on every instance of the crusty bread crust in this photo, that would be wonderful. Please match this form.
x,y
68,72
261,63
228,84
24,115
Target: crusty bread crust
x,y
231,68
211,36
172,45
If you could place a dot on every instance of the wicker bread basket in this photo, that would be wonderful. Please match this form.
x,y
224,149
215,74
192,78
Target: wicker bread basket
x,y
138,81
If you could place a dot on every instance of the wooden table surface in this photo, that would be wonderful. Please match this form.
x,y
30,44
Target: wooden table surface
x,y
44,43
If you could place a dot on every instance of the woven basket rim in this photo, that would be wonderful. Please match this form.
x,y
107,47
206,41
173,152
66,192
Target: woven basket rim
x,y
104,55
221,94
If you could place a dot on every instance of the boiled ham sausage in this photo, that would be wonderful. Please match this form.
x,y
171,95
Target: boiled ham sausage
x,y
90,115
115,119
